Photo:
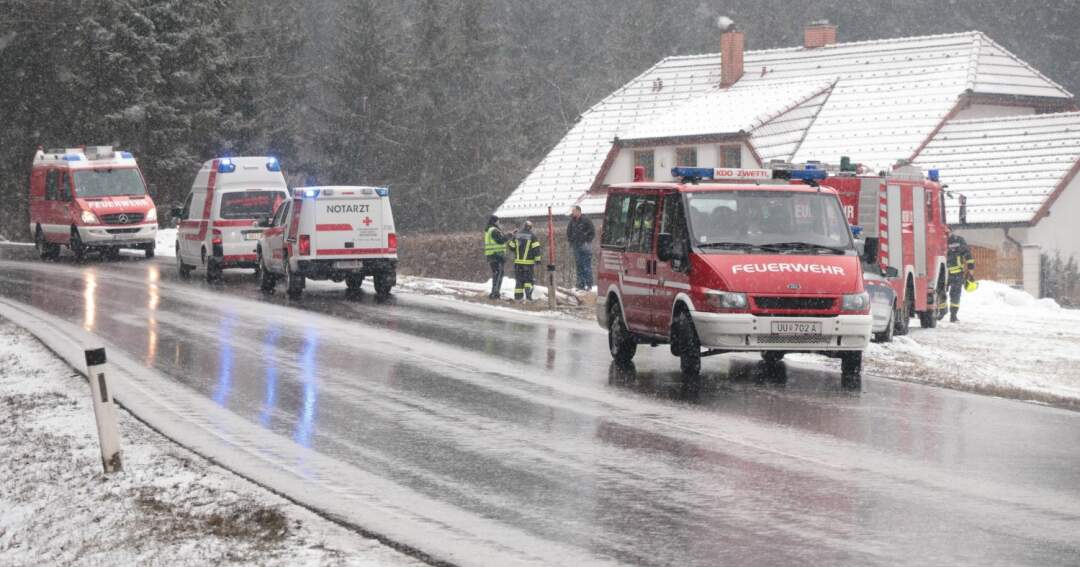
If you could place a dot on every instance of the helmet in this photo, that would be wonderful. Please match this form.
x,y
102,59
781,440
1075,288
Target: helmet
x,y
971,285
493,220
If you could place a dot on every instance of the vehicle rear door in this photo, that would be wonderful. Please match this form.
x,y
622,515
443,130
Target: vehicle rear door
x,y
349,222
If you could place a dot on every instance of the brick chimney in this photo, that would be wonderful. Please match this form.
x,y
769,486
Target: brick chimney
x,y
819,34
731,57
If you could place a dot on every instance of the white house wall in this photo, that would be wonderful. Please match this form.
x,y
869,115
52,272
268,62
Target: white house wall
x,y
708,155
992,111
1060,231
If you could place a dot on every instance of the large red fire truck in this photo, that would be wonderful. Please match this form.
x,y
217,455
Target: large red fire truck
x,y
729,265
901,217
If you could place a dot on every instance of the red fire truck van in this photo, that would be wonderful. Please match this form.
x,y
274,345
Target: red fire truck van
x,y
338,233
901,217
732,260
219,223
91,198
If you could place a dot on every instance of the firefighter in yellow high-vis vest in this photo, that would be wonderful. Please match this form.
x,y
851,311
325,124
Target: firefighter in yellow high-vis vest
x,y
526,250
961,267
495,252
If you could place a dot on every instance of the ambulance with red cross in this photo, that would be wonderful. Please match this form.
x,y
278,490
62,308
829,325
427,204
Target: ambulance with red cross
x,y
730,261
90,198
218,226
337,233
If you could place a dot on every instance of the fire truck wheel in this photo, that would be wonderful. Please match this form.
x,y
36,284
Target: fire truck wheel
x,y
183,269
620,342
772,356
45,249
294,283
903,314
353,283
685,338
76,245
148,250
942,303
887,335
851,370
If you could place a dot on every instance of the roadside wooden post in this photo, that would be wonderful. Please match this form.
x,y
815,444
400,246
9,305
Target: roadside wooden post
x,y
552,289
104,411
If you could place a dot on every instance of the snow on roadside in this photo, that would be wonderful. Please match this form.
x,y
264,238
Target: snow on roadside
x,y
168,506
1006,343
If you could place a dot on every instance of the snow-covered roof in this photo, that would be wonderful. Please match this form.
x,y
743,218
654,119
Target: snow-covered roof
x,y
1008,168
741,109
888,97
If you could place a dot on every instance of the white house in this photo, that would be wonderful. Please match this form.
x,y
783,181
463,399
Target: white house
x,y
877,102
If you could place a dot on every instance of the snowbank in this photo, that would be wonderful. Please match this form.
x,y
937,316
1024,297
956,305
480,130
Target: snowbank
x,y
169,506
1007,343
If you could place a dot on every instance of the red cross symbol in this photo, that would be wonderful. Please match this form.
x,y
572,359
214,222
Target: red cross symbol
x,y
368,221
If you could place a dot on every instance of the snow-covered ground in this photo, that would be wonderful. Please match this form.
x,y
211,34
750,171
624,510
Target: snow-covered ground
x,y
1007,343
168,507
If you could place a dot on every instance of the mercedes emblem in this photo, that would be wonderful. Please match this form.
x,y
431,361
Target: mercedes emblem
x,y
122,219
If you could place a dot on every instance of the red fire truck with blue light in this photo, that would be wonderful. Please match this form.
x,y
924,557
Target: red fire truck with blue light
x,y
731,260
90,198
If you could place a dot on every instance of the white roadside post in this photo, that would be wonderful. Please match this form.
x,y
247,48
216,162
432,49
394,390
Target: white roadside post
x,y
104,411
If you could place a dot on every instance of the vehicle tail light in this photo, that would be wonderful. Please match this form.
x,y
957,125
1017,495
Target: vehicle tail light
x,y
215,237
391,242
305,245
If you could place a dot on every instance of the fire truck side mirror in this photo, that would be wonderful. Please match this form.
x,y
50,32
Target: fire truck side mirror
x,y
664,248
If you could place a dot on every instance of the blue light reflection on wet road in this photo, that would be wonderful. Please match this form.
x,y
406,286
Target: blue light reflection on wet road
x,y
308,367
269,352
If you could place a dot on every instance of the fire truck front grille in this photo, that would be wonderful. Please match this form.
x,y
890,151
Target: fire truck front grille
x,y
115,218
121,230
791,340
801,303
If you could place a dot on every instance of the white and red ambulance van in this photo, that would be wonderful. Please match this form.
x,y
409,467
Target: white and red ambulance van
x,y
712,265
219,223
339,233
90,198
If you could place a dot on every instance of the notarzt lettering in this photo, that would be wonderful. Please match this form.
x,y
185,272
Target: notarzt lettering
x,y
785,267
347,208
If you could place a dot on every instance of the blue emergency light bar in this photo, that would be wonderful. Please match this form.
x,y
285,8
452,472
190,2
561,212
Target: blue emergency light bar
x,y
934,175
383,191
807,174
226,165
126,155
310,193
273,165
693,172
72,157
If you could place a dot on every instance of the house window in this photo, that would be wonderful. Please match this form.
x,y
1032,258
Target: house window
x,y
685,157
644,158
730,156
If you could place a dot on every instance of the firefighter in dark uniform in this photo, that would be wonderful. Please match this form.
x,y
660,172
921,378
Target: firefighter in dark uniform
x,y
526,250
961,270
495,252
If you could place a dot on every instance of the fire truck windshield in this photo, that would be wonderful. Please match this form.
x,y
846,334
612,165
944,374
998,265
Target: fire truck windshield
x,y
730,221
90,183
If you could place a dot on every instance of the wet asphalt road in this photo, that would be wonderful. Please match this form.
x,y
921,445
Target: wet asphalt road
x,y
527,423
